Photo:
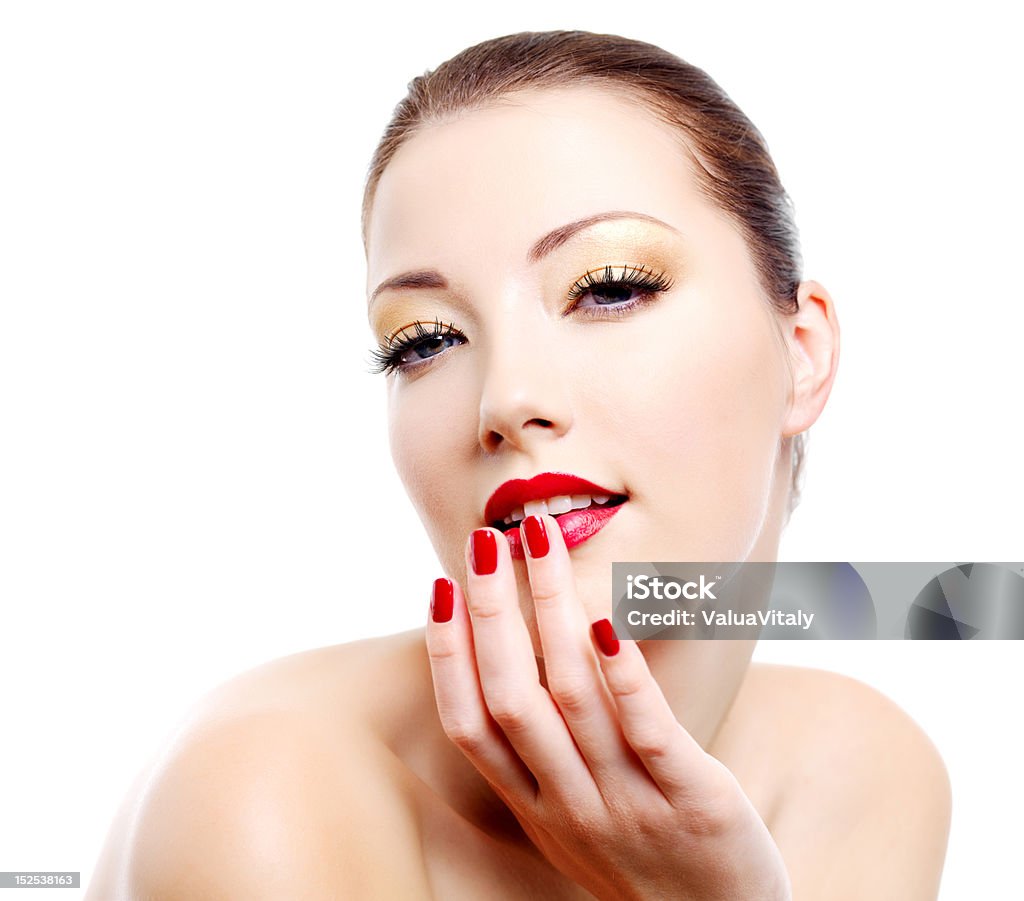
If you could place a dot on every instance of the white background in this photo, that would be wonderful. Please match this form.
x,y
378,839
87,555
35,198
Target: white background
x,y
194,472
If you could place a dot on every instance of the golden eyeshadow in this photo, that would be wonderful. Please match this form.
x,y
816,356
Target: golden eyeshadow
x,y
645,248
648,250
394,333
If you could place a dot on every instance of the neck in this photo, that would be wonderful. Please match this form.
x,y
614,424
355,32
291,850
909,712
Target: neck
x,y
699,679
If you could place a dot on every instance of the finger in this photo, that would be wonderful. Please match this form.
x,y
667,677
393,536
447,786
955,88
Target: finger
x,y
573,672
460,702
507,669
676,762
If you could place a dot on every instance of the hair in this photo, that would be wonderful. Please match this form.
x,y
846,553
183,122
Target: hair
x,y
733,166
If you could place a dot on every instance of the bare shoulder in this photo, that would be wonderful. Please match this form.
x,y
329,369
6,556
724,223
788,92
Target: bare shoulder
x,y
836,720
869,796
267,789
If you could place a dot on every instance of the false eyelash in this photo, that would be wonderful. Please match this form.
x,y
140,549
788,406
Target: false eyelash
x,y
386,357
636,277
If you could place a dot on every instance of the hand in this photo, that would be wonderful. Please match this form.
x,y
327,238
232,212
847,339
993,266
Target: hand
x,y
602,777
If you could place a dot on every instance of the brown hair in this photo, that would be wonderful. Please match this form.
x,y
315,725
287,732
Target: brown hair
x,y
734,168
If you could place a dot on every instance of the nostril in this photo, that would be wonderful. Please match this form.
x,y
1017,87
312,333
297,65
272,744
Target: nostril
x,y
494,439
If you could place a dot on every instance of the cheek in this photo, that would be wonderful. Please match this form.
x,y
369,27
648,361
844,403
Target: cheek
x,y
705,416
427,422
418,443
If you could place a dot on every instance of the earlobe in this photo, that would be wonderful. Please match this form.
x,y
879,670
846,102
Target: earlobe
x,y
812,335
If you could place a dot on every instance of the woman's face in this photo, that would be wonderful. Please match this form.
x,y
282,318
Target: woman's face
x,y
675,398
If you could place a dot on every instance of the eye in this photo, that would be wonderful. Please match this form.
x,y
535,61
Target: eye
x,y
402,351
617,288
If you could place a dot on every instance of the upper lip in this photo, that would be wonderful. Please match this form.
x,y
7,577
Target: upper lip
x,y
517,492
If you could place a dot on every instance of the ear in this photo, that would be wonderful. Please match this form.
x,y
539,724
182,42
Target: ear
x,y
812,336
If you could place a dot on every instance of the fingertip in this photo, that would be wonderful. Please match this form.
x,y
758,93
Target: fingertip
x,y
605,637
555,530
442,600
483,551
534,531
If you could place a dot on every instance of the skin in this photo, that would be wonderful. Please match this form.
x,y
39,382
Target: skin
x,y
501,750
683,404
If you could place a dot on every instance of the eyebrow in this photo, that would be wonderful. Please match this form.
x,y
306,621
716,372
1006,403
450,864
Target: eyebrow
x,y
431,278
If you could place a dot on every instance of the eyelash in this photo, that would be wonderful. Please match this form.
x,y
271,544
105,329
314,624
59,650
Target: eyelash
x,y
636,278
387,356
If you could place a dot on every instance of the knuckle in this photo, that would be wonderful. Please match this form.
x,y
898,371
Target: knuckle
x,y
510,710
546,596
724,788
441,651
584,828
572,695
482,608
628,686
707,819
712,810
650,743
469,737
658,816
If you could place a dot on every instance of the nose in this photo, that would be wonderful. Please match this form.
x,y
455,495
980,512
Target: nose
x,y
525,397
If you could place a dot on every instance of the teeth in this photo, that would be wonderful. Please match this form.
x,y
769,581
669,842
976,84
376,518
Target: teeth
x,y
560,504
535,508
555,506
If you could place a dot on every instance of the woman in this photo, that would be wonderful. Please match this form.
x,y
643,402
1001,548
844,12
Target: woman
x,y
584,280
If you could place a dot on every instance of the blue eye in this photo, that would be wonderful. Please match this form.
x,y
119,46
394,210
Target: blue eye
x,y
615,291
403,351
618,288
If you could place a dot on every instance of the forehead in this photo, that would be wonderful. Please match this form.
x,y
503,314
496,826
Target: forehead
x,y
489,182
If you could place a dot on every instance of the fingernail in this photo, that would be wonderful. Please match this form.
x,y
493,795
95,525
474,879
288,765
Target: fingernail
x,y
442,600
484,552
536,536
606,640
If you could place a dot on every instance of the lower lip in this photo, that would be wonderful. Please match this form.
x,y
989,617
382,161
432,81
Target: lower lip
x,y
576,525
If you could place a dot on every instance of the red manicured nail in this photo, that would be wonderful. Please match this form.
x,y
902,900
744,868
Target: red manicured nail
x,y
442,600
485,552
606,640
536,536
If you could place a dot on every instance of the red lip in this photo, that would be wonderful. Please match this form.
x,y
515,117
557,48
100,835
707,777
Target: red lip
x,y
516,492
576,525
